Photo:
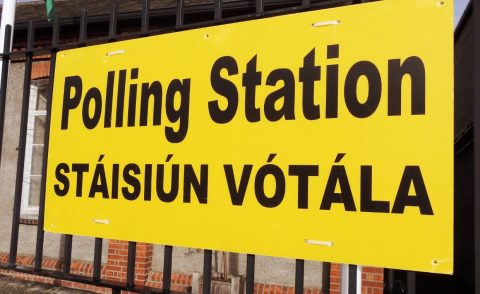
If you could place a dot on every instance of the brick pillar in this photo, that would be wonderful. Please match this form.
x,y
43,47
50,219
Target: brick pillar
x,y
372,279
143,263
117,262
335,277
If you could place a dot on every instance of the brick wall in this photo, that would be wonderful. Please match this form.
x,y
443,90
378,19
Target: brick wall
x,y
116,268
77,267
372,280
179,282
335,277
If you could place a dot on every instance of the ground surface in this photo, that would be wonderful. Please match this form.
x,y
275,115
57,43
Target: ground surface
x,y
13,286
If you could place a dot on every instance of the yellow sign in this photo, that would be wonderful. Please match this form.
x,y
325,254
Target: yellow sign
x,y
325,135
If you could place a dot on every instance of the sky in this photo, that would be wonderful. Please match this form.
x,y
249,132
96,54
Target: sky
x,y
459,8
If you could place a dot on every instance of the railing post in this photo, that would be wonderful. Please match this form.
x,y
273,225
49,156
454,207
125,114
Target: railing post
x,y
46,139
299,275
250,277
207,271
476,140
21,150
132,252
97,260
4,78
167,268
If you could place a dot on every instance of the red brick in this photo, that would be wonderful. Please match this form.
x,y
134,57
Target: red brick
x,y
370,284
141,259
115,245
123,252
378,278
140,270
377,270
335,266
143,253
114,268
335,280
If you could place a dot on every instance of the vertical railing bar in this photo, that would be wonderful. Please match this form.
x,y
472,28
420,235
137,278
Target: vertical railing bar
x,y
167,268
67,253
4,79
388,273
132,248
55,33
305,3
112,24
411,283
326,267
180,12
476,142
352,279
207,271
299,275
218,10
97,260
68,238
83,26
145,15
260,7
250,277
21,150
30,39
46,138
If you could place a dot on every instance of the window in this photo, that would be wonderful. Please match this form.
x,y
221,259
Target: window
x,y
32,173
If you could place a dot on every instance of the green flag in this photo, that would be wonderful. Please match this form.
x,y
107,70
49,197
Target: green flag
x,y
50,5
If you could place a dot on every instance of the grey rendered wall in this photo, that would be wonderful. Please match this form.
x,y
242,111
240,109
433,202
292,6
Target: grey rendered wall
x,y
268,270
82,247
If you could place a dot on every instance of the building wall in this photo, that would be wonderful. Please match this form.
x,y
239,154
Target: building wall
x,y
9,153
83,247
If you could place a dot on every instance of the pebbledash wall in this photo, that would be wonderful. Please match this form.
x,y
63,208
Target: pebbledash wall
x,y
272,275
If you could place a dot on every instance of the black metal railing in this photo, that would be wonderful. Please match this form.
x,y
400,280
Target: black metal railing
x,y
215,12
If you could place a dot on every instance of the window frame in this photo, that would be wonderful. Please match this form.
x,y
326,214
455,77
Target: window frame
x,y
31,211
